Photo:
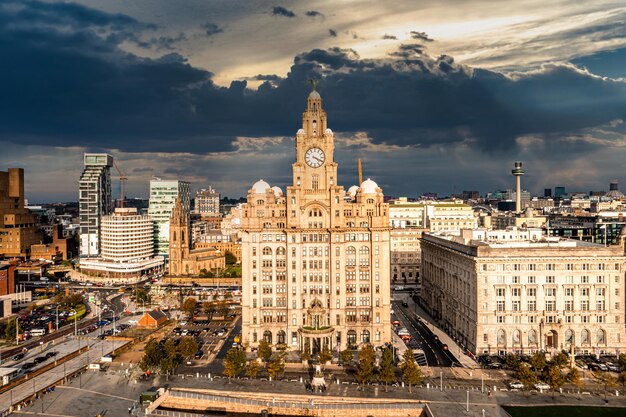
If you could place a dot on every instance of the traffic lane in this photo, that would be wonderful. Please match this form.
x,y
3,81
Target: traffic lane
x,y
429,353
230,339
446,352
427,336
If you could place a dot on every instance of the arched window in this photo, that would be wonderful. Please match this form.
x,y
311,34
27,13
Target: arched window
x,y
532,337
569,336
365,336
280,337
364,250
280,251
267,336
259,202
267,250
174,236
350,250
501,337
370,201
351,337
601,337
584,337
516,336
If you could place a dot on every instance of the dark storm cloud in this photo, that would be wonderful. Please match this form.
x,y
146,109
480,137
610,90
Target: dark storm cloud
x,y
281,11
65,82
422,36
314,13
386,37
211,29
332,33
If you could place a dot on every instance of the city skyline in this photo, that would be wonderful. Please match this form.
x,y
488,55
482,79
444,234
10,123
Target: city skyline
x,y
447,96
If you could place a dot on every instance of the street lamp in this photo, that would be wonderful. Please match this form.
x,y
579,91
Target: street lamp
x,y
75,322
57,311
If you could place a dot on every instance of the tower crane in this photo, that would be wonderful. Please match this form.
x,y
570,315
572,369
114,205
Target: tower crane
x,y
123,179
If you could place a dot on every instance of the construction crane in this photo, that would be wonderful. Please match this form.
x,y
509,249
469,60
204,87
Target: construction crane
x,y
122,180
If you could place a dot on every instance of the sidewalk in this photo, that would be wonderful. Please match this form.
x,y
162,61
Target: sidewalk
x,y
454,348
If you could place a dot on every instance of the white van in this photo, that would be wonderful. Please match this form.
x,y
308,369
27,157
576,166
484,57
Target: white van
x,y
37,332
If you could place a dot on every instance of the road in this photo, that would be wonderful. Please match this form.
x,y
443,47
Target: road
x,y
435,355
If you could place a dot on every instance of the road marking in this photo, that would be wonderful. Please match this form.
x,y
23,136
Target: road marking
x,y
96,392
41,414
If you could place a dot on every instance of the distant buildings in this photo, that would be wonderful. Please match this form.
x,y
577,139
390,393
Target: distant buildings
x,y
127,247
514,290
163,197
207,202
18,226
94,200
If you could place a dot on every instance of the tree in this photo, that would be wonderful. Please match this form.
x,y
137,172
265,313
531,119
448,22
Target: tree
x,y
325,356
187,346
606,379
554,377
223,308
622,378
167,364
538,361
622,361
230,258
346,357
526,376
411,372
512,361
575,378
265,350
305,355
365,368
253,369
141,296
234,363
560,359
11,329
152,355
189,306
387,372
209,308
276,366
170,348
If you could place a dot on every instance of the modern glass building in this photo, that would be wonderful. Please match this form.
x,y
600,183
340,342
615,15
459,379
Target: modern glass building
x,y
95,201
163,195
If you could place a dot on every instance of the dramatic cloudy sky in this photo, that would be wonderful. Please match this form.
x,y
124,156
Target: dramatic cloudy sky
x,y
437,96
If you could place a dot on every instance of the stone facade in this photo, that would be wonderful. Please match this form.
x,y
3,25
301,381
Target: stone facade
x,y
315,260
517,291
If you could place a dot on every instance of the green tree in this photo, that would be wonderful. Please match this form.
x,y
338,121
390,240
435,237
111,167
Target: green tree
x,y
324,356
141,296
223,308
170,348
305,355
526,376
276,366
554,377
512,361
622,361
411,372
230,258
11,329
606,379
189,306
234,363
265,350
187,346
209,308
575,378
346,356
560,359
538,361
152,355
253,369
365,368
387,372
167,365
622,379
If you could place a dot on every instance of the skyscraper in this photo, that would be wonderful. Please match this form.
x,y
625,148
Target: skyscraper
x,y
95,200
163,195
316,258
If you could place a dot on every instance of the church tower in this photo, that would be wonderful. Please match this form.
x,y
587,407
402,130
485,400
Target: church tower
x,y
179,238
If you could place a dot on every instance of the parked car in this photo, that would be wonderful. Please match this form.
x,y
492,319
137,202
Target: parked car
x,y
542,385
612,367
18,357
516,385
39,359
51,354
199,354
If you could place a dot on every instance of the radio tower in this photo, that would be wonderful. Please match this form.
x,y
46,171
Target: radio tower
x,y
518,172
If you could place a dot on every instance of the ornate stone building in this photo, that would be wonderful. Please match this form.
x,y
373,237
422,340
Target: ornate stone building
x,y
315,259
185,258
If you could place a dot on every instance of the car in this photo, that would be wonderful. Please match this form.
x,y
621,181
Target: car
x,y
18,357
612,367
444,346
396,322
542,386
51,354
28,365
39,359
516,385
405,304
199,354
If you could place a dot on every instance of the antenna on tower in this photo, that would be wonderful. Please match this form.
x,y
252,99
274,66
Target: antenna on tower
x,y
360,172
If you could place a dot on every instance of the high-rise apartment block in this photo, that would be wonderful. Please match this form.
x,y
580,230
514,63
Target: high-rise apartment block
x,y
207,202
163,196
315,259
94,201
18,226
499,291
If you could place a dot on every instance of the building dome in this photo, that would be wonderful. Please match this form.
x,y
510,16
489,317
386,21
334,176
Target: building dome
x,y
328,132
277,191
369,186
260,187
352,190
300,132
315,95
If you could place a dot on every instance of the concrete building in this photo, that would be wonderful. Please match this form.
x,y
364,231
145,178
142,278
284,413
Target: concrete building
x,y
163,196
315,258
498,291
94,201
207,202
18,226
127,247
187,258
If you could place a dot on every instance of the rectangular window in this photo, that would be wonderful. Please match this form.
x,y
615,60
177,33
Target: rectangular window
x,y
531,280
531,305
500,305
500,292
550,279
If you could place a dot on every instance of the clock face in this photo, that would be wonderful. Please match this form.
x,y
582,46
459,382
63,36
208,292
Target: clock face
x,y
314,157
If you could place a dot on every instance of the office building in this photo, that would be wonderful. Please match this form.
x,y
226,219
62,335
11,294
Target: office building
x,y
163,196
207,202
94,201
315,258
501,291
